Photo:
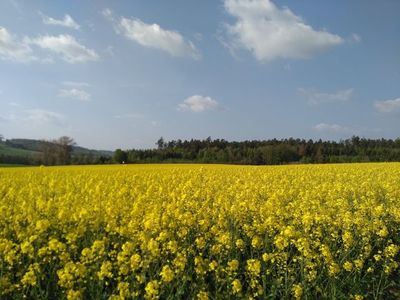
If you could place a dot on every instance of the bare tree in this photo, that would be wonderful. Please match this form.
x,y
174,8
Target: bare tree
x,y
49,153
66,145
57,152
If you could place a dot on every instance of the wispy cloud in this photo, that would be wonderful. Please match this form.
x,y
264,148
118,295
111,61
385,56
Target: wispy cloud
x,y
130,116
108,14
32,116
20,50
14,49
74,93
68,21
16,5
76,83
110,50
270,32
5,118
136,119
355,38
153,36
388,106
315,97
67,46
14,104
337,130
43,117
332,128
198,103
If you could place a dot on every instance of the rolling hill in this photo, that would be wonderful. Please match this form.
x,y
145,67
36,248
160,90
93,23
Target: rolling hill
x,y
24,151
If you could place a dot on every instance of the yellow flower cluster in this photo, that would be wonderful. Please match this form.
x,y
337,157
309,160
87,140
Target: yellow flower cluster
x,y
200,232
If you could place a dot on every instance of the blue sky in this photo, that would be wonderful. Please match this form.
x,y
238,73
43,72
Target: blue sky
x,y
116,74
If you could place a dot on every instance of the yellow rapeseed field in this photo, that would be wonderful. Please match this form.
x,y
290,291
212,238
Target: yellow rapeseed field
x,y
200,232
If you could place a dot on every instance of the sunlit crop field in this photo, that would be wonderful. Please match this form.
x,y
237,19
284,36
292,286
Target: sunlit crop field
x,y
200,232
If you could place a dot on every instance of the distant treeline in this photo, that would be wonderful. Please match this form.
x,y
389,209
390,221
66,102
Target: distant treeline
x,y
267,152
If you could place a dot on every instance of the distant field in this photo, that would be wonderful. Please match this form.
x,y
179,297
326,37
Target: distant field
x,y
200,232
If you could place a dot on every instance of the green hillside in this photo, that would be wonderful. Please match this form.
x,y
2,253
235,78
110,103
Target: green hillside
x,y
6,149
36,146
29,151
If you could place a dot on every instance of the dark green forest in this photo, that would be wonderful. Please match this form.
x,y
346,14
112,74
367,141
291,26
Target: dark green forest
x,y
267,152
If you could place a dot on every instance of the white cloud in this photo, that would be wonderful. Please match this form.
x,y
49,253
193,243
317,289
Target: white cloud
x,y
74,94
198,103
66,22
315,97
270,32
388,106
43,117
67,46
153,36
14,49
332,128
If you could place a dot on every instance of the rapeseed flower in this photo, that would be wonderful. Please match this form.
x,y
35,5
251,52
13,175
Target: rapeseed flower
x,y
200,231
